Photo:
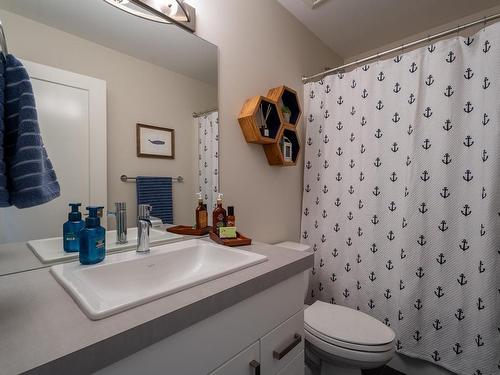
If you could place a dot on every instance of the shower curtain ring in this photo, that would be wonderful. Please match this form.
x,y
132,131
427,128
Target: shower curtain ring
x,y
484,23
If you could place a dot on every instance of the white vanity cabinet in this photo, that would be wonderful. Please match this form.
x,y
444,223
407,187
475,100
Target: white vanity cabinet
x,y
261,335
245,363
282,344
273,353
295,366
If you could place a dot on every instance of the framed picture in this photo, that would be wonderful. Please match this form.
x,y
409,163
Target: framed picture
x,y
155,142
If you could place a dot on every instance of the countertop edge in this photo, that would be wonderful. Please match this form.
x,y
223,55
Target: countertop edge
x,y
124,344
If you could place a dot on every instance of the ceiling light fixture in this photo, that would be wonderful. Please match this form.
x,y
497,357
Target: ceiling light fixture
x,y
164,11
311,3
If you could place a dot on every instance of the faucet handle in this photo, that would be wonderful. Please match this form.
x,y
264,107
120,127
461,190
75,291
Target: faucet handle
x,y
144,210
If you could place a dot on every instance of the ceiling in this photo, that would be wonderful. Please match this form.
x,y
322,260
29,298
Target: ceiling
x,y
164,45
351,27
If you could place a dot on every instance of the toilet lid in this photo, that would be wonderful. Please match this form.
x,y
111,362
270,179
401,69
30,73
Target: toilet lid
x,y
347,325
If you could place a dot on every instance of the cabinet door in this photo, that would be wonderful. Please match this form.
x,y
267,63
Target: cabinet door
x,y
282,344
245,363
295,367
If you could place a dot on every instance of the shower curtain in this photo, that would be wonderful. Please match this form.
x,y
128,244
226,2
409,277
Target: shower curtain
x,y
208,159
402,197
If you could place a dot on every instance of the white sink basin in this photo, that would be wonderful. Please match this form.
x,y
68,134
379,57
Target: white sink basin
x,y
50,250
125,280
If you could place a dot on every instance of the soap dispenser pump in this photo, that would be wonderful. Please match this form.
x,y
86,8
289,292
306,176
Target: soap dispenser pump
x,y
92,238
72,228
219,215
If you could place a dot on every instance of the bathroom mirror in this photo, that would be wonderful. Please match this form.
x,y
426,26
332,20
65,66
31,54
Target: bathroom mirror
x,y
97,72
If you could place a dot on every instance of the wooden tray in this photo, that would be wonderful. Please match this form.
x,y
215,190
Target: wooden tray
x,y
241,240
189,231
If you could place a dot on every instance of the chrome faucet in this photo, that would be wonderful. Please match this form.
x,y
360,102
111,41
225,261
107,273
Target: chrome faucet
x,y
143,226
120,215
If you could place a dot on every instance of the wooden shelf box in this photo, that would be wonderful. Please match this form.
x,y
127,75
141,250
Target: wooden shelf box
x,y
285,96
251,116
275,153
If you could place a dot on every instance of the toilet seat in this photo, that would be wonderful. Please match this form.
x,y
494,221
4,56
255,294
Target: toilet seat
x,y
357,331
339,354
347,345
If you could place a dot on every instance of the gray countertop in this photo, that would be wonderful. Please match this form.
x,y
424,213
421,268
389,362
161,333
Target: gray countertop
x,y
43,331
17,257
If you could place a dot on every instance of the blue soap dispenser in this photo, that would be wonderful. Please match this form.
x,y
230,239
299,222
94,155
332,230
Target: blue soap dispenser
x,y
72,228
92,238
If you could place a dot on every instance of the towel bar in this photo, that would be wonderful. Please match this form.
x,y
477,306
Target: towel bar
x,y
125,178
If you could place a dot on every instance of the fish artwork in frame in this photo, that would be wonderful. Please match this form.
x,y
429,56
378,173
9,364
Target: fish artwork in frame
x,y
155,142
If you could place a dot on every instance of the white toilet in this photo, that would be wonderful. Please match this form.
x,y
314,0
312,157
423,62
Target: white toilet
x,y
341,340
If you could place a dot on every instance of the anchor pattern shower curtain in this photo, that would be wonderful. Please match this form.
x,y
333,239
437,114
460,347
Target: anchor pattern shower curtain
x,y
208,158
402,197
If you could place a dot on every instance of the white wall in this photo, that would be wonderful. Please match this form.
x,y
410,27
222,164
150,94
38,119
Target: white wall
x,y
261,46
137,92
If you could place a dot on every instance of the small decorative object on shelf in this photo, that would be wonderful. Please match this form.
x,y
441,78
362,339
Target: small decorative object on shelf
x,y
286,113
264,130
272,121
287,149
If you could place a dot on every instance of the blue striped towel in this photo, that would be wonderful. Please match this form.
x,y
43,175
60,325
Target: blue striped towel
x,y
4,193
157,192
31,180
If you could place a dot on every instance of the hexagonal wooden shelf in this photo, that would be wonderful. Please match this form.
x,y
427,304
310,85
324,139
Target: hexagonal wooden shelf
x,y
287,97
251,120
275,152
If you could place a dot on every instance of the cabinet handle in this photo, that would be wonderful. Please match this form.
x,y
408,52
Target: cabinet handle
x,y
296,341
256,367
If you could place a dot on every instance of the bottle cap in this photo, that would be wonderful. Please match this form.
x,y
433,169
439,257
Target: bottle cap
x,y
93,220
230,210
75,214
200,198
219,197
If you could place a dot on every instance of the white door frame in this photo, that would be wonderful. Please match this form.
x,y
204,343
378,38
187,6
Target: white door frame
x,y
96,89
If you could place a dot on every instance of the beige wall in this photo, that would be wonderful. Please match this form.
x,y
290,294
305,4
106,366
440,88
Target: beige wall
x,y
261,46
137,91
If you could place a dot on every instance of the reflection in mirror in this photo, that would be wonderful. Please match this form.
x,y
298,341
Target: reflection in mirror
x,y
208,157
96,72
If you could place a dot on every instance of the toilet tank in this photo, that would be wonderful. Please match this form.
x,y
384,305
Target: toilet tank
x,y
299,247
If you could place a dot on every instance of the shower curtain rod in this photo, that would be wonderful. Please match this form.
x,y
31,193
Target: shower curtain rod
x,y
199,114
401,48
